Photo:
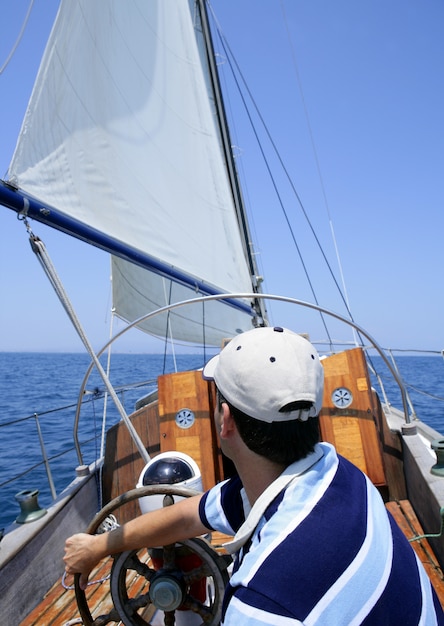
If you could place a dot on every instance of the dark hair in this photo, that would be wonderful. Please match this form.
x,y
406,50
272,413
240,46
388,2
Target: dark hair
x,y
280,442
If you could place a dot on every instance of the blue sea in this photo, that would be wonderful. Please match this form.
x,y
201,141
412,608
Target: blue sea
x,y
39,394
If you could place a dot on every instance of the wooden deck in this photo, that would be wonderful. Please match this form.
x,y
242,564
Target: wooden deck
x,y
406,519
59,606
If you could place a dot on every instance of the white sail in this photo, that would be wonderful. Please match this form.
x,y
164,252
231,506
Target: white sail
x,y
120,135
136,292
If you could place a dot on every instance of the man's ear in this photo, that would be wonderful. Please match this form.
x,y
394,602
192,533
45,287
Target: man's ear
x,y
227,425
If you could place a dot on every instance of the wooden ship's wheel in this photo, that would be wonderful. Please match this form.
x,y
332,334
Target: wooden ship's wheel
x,y
187,576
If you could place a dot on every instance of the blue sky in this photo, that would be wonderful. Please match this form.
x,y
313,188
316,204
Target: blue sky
x,y
370,163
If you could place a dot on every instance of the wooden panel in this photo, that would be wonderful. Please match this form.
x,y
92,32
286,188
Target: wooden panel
x,y
406,519
156,426
123,462
352,430
187,390
347,438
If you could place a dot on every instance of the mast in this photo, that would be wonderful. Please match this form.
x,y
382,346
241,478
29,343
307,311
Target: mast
x,y
221,118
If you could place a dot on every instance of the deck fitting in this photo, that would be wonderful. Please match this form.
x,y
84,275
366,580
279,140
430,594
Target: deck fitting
x,y
29,506
82,470
409,429
438,447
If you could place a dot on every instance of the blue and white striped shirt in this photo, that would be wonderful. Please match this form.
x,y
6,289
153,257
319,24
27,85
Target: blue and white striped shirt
x,y
325,552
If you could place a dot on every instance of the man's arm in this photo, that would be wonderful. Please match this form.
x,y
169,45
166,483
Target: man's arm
x,y
157,528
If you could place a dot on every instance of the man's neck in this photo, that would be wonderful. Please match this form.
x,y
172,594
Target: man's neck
x,y
257,473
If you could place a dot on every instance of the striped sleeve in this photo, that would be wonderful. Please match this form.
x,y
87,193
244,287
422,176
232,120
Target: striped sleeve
x,y
221,508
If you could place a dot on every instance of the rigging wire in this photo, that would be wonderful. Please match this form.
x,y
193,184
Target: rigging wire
x,y
318,167
18,40
38,247
232,61
223,43
343,292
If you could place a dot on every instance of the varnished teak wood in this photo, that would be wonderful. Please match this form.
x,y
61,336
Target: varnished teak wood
x,y
188,390
352,430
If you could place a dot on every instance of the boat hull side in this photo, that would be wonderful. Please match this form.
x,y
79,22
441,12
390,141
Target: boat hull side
x,y
31,554
425,490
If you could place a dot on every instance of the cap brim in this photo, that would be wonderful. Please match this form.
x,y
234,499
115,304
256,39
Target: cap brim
x,y
210,367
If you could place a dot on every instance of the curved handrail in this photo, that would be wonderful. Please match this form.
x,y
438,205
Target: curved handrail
x,y
231,296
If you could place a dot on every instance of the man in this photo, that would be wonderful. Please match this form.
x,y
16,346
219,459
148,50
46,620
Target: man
x,y
314,543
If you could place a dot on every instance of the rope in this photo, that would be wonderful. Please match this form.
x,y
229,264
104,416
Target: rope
x,y
91,582
430,535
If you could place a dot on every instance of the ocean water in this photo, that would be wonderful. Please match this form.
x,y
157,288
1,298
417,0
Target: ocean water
x,y
40,391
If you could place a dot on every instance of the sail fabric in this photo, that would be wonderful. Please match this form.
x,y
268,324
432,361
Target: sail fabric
x,y
120,135
137,292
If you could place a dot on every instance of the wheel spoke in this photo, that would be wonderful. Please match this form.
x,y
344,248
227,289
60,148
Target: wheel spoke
x,y
107,618
206,612
196,574
169,618
132,605
134,563
169,557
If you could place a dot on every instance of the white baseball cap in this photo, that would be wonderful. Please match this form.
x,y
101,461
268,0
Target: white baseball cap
x,y
262,370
